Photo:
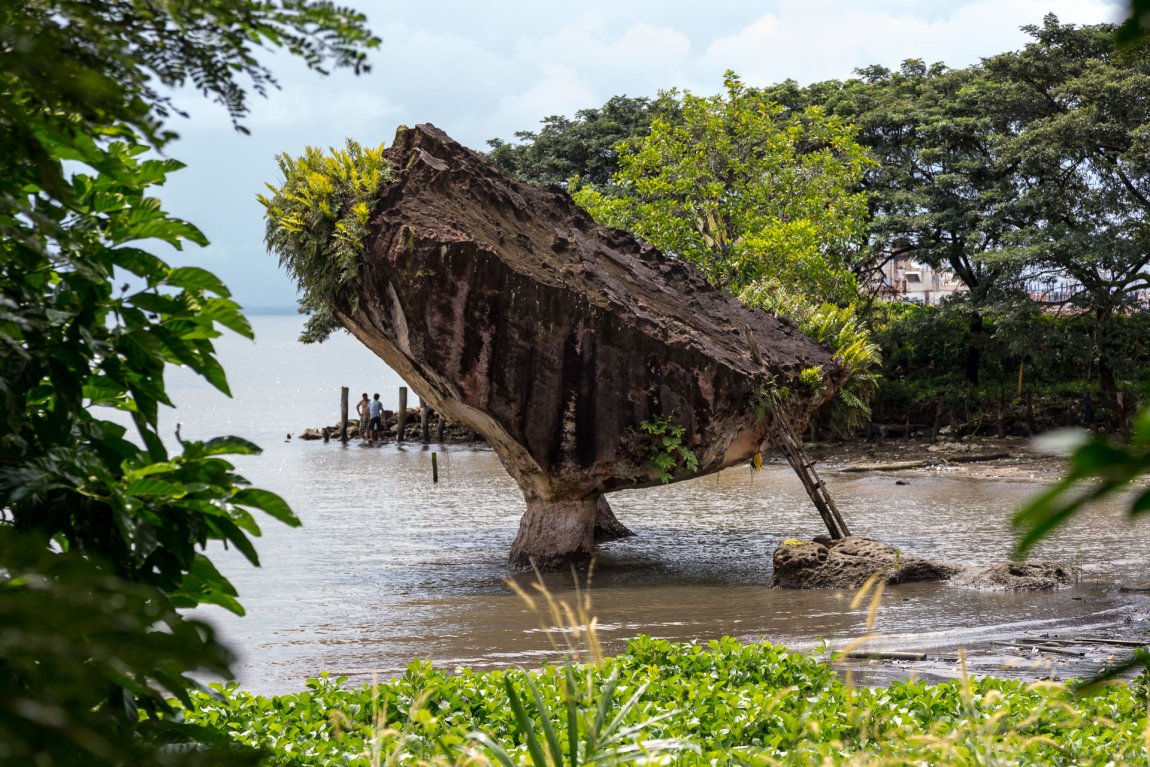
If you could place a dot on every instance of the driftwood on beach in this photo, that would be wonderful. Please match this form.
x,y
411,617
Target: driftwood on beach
x,y
922,463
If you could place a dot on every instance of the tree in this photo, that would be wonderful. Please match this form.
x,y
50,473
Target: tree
x,y
742,191
106,527
583,147
943,192
765,201
1080,163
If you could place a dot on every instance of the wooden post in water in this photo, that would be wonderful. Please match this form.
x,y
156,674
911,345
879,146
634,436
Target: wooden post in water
x,y
424,426
434,469
440,429
343,414
401,416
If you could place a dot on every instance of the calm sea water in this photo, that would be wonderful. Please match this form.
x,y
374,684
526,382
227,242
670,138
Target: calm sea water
x,y
388,566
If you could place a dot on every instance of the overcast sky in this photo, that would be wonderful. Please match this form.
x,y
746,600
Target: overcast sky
x,y
481,70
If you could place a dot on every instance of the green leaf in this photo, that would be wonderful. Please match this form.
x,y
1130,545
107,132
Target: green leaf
x,y
228,314
156,302
229,446
204,584
1097,456
269,503
157,487
195,278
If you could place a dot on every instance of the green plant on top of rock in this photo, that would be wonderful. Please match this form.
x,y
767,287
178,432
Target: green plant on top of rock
x,y
317,224
811,378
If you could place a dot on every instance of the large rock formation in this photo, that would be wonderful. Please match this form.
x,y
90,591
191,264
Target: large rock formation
x,y
849,562
508,309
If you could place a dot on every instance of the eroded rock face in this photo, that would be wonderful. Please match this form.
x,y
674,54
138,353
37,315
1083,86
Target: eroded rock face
x,y
849,562
507,309
1034,575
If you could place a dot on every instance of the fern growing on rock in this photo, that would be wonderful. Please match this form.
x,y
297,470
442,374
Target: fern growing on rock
x,y
317,224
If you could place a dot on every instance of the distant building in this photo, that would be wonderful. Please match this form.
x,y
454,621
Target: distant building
x,y
907,280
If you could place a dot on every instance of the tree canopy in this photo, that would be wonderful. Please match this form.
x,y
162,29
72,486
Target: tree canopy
x,y
100,523
742,190
583,146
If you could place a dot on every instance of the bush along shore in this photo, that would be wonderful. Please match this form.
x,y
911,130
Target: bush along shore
x,y
720,703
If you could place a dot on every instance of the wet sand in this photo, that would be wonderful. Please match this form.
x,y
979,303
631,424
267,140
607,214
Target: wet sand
x,y
1029,655
947,457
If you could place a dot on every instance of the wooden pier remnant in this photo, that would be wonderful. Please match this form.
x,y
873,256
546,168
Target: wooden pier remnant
x,y
401,415
343,414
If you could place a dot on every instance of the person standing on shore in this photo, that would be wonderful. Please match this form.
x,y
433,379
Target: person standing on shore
x,y
361,409
375,426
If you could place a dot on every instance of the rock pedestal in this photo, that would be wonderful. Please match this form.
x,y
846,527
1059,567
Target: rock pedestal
x,y
507,309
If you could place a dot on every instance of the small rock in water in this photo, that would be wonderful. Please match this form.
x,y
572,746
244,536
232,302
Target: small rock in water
x,y
848,563
1035,575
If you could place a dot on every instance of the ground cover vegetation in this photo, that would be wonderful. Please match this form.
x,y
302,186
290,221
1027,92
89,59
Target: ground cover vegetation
x,y
719,703
103,523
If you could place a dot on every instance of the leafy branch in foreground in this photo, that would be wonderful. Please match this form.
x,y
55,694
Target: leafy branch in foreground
x,y
317,223
102,529
62,607
120,521
119,60
1099,468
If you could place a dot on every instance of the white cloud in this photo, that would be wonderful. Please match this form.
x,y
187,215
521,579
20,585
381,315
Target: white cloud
x,y
829,39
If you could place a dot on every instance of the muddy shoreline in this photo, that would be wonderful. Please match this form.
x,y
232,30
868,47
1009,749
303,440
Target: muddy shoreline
x,y
979,457
1029,655
1025,655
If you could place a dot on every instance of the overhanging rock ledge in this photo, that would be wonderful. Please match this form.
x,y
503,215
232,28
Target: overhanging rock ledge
x,y
508,309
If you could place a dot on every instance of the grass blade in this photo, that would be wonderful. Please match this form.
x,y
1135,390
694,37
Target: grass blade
x,y
545,722
572,714
525,725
